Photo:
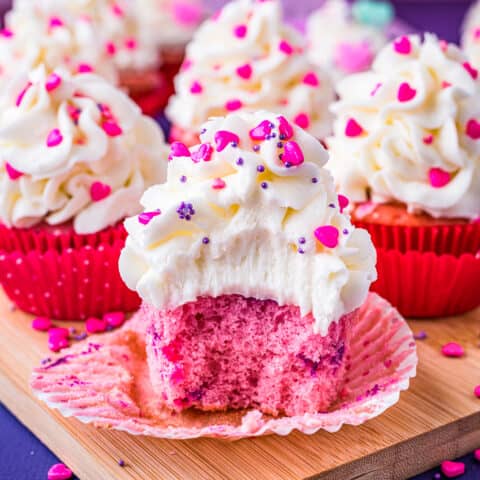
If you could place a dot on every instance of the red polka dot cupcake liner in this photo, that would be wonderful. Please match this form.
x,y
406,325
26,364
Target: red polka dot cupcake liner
x,y
56,273
427,271
383,359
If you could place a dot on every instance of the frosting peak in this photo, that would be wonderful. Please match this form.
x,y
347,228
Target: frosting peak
x,y
246,58
408,130
74,148
251,211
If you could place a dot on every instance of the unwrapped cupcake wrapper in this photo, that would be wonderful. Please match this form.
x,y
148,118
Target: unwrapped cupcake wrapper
x,y
119,394
424,284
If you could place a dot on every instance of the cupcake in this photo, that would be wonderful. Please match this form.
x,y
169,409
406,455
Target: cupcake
x,y
345,38
250,274
246,58
406,150
76,154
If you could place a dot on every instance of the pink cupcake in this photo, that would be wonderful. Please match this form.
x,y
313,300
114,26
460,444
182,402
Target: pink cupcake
x,y
76,155
250,274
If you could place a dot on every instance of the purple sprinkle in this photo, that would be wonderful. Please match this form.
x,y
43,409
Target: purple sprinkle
x,y
273,134
301,251
264,185
46,360
331,205
202,131
437,476
72,330
234,144
301,240
109,328
345,231
287,164
256,148
280,144
314,180
185,211
205,240
81,336
282,136
183,178
421,335
260,168
121,462
239,161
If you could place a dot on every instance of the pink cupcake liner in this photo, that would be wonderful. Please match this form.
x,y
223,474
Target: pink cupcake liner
x,y
105,381
424,284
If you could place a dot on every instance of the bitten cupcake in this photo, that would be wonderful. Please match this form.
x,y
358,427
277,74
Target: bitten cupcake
x,y
250,273
345,38
406,150
245,58
76,154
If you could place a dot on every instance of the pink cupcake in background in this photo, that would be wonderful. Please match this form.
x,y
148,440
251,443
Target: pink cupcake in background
x,y
246,58
250,274
76,154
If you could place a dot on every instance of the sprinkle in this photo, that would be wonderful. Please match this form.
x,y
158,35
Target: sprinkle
x,y
438,177
311,79
446,84
41,324
187,63
223,138
353,128
293,154
256,148
54,138
145,217
285,129
302,240
402,46
196,87
345,231
476,392
240,31
117,10
218,184
112,128
204,153
55,22
6,33
179,149
58,332
233,105
301,251
302,120
205,240
331,205
81,336
95,325
57,343
130,43
472,71
261,131
279,144
183,178
99,191
22,94
342,202
12,173
453,349
314,179
84,68
421,335
405,92
473,129
239,161
121,463
285,47
437,476
428,139
452,469
260,168
245,71
476,453
264,185
110,48
375,89
327,235
114,319
59,471
185,211
44,361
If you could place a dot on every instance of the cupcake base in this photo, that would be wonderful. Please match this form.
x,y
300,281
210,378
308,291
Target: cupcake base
x,y
383,359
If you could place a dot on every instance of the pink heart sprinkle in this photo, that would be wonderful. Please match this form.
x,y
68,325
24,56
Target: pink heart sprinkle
x,y
55,22
187,14
114,319
405,92
240,31
6,33
245,71
95,325
224,138
233,105
261,131
342,202
112,129
178,149
187,63
452,469
402,46
99,191
302,120
54,138
218,184
438,177
446,84
473,129
84,68
453,349
292,154
117,10
327,235
12,173
131,43
59,471
22,94
204,153
53,82
353,128
311,79
58,332
285,129
145,217
196,87
428,139
110,48
443,45
472,71
353,57
476,392
55,344
42,324
285,47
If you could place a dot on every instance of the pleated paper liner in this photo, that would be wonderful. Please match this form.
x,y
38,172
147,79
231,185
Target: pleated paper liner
x,y
105,381
424,284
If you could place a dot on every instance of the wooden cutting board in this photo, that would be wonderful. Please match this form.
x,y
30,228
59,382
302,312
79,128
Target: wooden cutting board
x,y
438,418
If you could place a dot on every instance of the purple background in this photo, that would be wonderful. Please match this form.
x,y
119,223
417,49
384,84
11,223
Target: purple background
x,y
22,455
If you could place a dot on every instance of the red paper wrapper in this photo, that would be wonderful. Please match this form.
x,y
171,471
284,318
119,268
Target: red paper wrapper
x,y
56,273
383,360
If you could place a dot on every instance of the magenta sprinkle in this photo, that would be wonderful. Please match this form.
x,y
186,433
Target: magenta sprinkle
x,y
342,202
438,177
196,88
22,94
41,324
53,82
285,47
473,129
55,22
472,71
402,46
223,138
218,184
302,120
452,469
285,129
233,105
327,235
117,10
6,33
99,191
59,471
179,149
54,138
240,31
12,173
114,319
95,325
130,43
112,129
261,131
293,154
353,128
204,153
311,79
145,217
55,344
58,332
453,350
84,68
405,92
245,71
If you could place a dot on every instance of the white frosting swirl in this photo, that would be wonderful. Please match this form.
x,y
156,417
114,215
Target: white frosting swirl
x,y
248,58
471,34
240,221
81,151
339,43
409,130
